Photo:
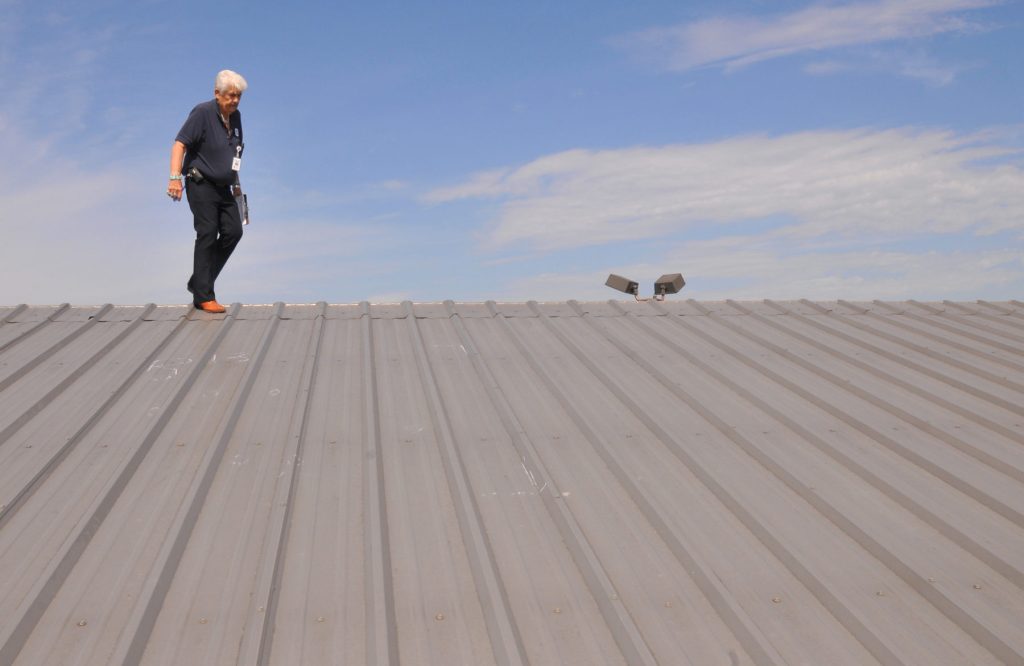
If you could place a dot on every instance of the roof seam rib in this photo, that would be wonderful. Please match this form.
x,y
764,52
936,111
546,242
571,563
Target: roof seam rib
x,y
11,506
73,552
281,522
972,317
967,367
34,329
828,599
506,641
931,321
943,527
1001,310
833,603
624,631
381,620
53,349
951,479
942,313
969,322
931,353
746,631
172,553
908,386
14,313
847,385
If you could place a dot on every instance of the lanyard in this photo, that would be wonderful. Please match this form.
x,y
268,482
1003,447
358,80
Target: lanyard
x,y
225,123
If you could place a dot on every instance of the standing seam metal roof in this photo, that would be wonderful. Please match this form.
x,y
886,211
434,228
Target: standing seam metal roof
x,y
519,483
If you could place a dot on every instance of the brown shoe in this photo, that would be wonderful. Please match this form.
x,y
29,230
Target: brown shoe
x,y
211,306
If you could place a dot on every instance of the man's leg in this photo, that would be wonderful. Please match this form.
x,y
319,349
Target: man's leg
x,y
230,228
205,220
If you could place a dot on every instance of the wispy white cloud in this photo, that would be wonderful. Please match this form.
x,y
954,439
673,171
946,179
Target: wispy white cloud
x,y
77,232
850,183
927,69
733,42
765,267
756,267
917,65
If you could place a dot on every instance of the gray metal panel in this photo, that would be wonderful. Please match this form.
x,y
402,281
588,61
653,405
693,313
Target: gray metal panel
x,y
126,312
9,312
80,313
556,309
348,311
617,482
304,311
388,311
472,310
36,313
170,312
514,310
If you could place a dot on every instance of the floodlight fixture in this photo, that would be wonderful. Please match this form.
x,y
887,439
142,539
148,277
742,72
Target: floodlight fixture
x,y
670,283
622,284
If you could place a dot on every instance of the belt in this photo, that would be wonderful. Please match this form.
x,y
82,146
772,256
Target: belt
x,y
196,176
207,181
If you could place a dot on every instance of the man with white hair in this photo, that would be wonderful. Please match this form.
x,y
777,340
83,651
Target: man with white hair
x,y
205,160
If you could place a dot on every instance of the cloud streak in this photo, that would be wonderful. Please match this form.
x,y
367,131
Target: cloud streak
x,y
899,182
734,42
753,268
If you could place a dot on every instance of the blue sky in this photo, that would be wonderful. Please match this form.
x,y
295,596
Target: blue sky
x,y
513,151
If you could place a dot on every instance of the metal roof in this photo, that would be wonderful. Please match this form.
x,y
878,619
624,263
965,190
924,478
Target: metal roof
x,y
519,483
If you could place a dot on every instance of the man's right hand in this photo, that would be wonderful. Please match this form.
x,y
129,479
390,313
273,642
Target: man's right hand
x,y
174,189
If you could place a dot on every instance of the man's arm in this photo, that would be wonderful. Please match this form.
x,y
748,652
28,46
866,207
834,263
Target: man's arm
x,y
174,185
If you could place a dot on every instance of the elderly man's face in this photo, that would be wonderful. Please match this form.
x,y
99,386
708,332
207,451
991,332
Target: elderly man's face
x,y
228,100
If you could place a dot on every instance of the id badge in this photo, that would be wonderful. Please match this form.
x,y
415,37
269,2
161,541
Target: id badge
x,y
236,163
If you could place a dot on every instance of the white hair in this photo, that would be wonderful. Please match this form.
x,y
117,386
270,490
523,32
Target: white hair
x,y
226,80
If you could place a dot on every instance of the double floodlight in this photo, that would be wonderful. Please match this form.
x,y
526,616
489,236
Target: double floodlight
x,y
670,283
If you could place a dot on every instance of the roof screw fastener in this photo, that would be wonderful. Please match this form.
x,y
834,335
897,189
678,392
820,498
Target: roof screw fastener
x,y
880,593
557,611
321,618
82,623
261,609
439,617
930,579
668,604
202,620
776,600
977,587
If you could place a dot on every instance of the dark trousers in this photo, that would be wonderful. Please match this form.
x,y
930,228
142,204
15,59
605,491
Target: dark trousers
x,y
218,230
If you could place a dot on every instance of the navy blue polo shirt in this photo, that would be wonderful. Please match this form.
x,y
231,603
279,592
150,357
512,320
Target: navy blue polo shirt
x,y
208,146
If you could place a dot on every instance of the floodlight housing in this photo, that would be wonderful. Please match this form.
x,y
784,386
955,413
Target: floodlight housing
x,y
622,284
669,283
